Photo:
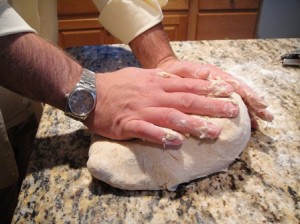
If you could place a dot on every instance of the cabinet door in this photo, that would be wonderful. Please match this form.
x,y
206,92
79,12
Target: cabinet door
x,y
76,7
239,25
75,38
78,23
176,26
177,5
80,38
228,4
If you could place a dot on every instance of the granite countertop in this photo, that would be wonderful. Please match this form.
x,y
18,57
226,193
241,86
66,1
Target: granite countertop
x,y
262,186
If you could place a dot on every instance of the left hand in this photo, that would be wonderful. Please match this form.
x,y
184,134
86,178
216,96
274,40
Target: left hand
x,y
186,69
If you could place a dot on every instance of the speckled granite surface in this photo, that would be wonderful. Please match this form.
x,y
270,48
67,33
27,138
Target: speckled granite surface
x,y
263,186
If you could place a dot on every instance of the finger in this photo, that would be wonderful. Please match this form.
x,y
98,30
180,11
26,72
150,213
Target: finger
x,y
178,121
201,87
253,121
245,91
248,94
187,69
263,114
163,74
199,105
255,103
149,132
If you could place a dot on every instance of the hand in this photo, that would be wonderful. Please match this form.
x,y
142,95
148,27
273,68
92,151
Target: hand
x,y
146,104
256,105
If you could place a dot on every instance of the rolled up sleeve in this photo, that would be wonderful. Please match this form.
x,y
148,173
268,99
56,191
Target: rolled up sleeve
x,y
126,19
10,21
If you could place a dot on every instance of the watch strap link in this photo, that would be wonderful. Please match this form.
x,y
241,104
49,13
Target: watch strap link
x,y
87,79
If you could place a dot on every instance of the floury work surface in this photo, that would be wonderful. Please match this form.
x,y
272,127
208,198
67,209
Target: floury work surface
x,y
262,186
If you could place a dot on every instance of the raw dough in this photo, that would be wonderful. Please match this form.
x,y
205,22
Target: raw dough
x,y
137,165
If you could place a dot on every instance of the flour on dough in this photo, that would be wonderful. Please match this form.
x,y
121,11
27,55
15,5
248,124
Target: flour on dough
x,y
137,165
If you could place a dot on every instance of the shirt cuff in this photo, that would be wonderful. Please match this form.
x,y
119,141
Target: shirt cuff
x,y
11,22
127,19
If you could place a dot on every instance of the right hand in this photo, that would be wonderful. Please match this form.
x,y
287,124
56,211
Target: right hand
x,y
257,108
142,103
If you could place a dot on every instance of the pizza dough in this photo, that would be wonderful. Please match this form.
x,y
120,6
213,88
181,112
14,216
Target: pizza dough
x,y
138,165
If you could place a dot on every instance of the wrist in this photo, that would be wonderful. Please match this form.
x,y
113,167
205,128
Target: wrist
x,y
39,70
73,74
166,61
152,47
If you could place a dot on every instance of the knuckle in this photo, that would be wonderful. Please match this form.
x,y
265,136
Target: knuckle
x,y
170,115
130,129
187,101
189,86
230,110
122,126
138,130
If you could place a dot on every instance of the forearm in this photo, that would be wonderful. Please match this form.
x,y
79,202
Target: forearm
x,y
152,47
34,68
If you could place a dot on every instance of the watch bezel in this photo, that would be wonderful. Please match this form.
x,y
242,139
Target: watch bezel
x,y
70,102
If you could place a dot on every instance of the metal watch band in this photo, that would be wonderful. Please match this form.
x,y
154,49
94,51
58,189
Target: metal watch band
x,y
87,79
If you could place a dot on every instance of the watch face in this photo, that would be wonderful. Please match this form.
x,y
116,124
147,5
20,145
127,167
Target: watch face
x,y
81,102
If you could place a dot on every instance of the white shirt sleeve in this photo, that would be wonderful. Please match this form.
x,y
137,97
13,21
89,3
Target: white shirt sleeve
x,y
126,19
10,21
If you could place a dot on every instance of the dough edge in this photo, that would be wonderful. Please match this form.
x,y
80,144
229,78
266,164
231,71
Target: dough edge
x,y
126,164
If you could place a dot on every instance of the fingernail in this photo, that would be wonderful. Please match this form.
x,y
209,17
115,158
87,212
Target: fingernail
x,y
269,116
202,72
209,130
172,138
265,115
256,101
230,110
220,88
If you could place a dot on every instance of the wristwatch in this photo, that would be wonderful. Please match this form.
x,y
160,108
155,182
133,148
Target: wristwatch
x,y
82,100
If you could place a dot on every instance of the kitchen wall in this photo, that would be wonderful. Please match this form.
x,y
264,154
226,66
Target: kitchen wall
x,y
279,19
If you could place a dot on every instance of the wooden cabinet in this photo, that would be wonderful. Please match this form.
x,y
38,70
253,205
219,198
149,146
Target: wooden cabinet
x,y
228,4
227,19
78,23
183,20
226,26
176,19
